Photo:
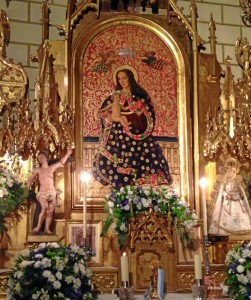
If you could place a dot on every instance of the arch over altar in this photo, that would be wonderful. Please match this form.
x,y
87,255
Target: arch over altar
x,y
160,58
162,66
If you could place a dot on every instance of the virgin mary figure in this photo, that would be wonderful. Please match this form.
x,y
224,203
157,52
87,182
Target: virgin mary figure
x,y
130,155
231,212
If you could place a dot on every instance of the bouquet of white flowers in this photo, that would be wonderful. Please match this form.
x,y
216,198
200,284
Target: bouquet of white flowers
x,y
238,278
129,201
50,272
12,192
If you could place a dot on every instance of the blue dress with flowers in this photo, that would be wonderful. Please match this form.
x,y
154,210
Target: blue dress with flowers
x,y
130,155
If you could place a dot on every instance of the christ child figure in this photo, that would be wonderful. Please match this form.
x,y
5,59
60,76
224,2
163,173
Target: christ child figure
x,y
116,108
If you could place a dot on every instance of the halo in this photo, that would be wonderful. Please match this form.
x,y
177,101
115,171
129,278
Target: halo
x,y
121,67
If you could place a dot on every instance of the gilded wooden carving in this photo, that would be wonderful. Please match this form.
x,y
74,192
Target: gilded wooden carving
x,y
13,78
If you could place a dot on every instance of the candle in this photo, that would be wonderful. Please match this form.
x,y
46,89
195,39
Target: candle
x,y
197,266
124,267
203,184
84,214
85,177
37,91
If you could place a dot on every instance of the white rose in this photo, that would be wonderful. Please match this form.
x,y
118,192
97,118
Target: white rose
x,y
19,274
52,278
74,248
127,207
59,275
53,245
46,262
225,289
69,279
25,253
82,268
41,246
77,283
57,285
75,268
240,269
26,263
46,273
10,283
110,204
17,287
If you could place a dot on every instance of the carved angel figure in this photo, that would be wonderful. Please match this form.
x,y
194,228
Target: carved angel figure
x,y
243,54
231,211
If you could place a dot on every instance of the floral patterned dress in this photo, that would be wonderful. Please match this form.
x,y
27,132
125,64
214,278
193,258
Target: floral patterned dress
x,y
130,155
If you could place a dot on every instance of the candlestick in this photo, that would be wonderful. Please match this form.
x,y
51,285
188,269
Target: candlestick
x,y
206,257
85,177
203,184
197,267
199,292
124,268
84,215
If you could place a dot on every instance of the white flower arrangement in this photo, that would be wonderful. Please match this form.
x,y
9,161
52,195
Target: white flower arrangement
x,y
12,191
50,272
238,281
129,201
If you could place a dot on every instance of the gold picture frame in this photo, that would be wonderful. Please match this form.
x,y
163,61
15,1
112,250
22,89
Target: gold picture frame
x,y
74,236
180,159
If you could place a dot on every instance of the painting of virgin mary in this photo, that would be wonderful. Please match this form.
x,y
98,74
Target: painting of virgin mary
x,y
130,155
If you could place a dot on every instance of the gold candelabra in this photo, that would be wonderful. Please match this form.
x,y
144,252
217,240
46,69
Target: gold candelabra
x,y
228,130
50,123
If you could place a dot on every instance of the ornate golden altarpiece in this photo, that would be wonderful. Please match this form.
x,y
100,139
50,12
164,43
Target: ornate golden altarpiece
x,y
68,73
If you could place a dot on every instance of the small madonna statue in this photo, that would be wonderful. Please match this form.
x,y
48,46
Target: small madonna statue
x,y
231,211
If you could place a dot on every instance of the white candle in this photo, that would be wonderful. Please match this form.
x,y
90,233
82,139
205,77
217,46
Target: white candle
x,y
84,214
203,184
37,91
197,266
85,177
124,267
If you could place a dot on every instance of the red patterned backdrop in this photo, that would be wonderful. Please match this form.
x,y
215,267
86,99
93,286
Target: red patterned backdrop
x,y
155,66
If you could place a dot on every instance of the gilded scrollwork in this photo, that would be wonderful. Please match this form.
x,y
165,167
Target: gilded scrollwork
x,y
13,78
147,229
3,285
105,282
228,128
